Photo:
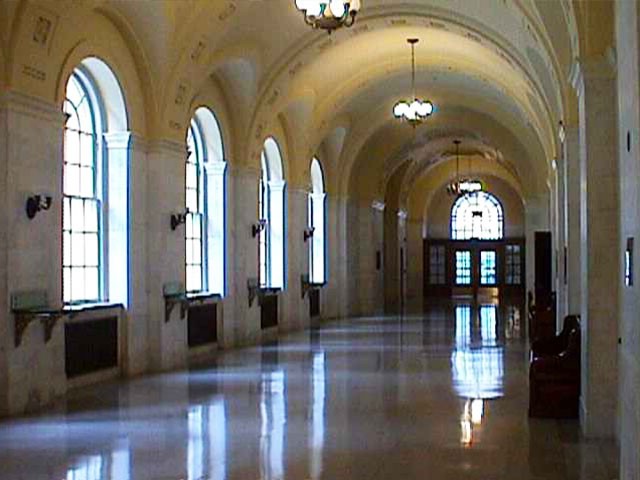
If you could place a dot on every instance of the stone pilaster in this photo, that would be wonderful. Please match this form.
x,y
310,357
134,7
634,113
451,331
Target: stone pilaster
x,y
241,323
165,252
415,265
595,83
33,131
335,296
572,154
295,308
560,242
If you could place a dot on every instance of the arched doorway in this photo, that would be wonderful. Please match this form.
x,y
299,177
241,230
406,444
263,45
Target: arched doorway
x,y
477,258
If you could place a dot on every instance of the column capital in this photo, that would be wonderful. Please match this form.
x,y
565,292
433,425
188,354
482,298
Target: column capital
x,y
215,168
37,107
378,205
239,170
276,185
600,67
168,146
118,140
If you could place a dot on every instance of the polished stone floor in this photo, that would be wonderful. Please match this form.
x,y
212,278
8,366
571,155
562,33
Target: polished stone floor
x,y
436,396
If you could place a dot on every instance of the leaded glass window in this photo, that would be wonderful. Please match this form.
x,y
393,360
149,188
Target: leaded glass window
x,y
196,218
463,267
437,265
477,216
82,202
488,266
513,265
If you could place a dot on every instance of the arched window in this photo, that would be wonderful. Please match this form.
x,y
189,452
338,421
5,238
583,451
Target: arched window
x,y
316,223
95,187
271,205
205,203
477,216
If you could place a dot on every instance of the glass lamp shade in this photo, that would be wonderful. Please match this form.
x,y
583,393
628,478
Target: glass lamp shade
x,y
328,14
414,112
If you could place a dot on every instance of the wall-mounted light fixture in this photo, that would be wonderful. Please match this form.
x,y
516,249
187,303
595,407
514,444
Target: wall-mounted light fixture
x,y
308,233
36,203
178,219
562,132
258,227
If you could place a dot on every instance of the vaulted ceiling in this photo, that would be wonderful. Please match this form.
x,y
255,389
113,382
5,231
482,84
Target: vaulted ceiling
x,y
496,69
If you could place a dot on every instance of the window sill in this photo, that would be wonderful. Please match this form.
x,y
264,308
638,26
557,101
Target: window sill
x,y
204,297
270,292
87,307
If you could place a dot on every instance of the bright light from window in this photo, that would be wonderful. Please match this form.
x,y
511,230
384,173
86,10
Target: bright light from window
x,y
477,216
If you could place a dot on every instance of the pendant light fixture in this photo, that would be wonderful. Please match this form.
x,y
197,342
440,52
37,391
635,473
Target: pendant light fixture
x,y
453,188
329,15
463,186
414,111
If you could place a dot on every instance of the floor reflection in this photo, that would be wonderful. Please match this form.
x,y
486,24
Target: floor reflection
x,y
316,438
206,451
273,415
372,398
115,465
477,359
477,362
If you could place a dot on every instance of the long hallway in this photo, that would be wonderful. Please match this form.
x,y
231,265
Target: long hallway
x,y
438,396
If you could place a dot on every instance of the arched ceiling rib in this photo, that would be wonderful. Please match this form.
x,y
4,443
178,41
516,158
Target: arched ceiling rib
x,y
507,61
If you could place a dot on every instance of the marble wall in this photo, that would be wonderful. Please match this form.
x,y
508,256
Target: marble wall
x,y
628,105
33,374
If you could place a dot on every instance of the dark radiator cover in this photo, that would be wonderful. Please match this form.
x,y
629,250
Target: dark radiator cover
x,y
269,311
314,303
91,346
202,325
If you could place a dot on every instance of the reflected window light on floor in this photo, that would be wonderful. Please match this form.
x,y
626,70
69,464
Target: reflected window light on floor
x,y
273,414
89,469
206,456
218,440
477,370
316,442
471,418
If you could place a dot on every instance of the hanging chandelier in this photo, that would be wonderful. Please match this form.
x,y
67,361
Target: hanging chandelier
x,y
415,111
454,187
461,186
329,15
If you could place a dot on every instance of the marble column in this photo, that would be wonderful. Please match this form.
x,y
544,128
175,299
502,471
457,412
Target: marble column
x,y
572,151
595,83
33,165
165,253
628,53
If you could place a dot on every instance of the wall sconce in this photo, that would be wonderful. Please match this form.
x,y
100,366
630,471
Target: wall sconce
x,y
36,203
178,219
308,233
256,228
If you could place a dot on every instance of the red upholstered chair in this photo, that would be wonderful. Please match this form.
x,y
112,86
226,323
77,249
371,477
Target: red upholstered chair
x,y
554,381
557,344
